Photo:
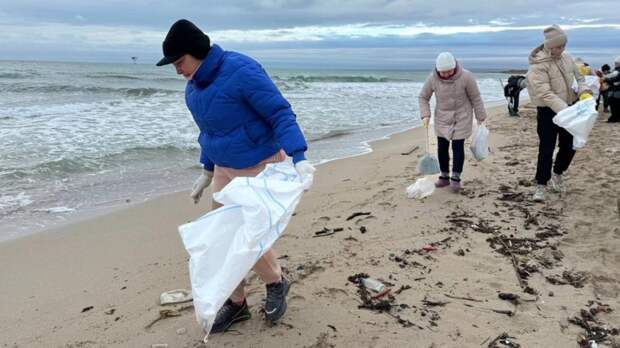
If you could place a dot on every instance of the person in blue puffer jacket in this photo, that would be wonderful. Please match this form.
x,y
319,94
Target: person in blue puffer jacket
x,y
245,123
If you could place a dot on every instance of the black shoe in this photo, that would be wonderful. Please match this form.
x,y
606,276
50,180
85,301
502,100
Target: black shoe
x,y
229,314
275,305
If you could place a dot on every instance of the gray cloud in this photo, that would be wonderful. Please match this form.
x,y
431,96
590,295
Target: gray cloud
x,y
260,14
286,32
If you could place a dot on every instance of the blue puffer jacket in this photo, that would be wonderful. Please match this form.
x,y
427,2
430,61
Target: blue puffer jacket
x,y
242,116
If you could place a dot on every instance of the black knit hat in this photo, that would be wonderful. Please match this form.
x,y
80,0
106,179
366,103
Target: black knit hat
x,y
184,38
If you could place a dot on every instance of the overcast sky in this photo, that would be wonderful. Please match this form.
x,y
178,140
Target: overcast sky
x,y
312,34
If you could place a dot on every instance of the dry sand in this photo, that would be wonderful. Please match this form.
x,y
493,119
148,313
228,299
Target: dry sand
x,y
96,283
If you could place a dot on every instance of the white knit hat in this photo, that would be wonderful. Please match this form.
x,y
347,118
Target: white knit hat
x,y
554,37
445,61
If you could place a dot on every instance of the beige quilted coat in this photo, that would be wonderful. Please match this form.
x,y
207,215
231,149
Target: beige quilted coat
x,y
456,99
550,80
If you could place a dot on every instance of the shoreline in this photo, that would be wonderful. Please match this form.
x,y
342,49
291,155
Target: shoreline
x,y
74,180
58,220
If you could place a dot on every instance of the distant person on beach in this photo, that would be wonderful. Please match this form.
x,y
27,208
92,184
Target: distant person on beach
x,y
613,80
550,76
245,123
604,88
512,90
584,68
457,97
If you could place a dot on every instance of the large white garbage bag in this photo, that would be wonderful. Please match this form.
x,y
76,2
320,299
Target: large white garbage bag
x,y
226,243
578,120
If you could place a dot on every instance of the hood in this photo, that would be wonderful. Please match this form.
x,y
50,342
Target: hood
x,y
456,76
539,55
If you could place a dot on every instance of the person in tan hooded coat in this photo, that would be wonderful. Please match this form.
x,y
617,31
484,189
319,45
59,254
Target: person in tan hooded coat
x,y
457,97
550,77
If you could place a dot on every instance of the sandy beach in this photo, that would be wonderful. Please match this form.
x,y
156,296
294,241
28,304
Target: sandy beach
x,y
447,259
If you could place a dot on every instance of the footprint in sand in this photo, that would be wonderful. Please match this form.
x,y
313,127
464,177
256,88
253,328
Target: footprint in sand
x,y
295,300
387,205
306,270
605,286
583,223
321,221
334,294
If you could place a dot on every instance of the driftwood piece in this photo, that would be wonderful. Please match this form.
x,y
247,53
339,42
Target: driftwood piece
x,y
410,151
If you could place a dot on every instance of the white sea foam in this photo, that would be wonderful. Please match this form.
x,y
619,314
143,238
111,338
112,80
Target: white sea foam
x,y
56,210
8,202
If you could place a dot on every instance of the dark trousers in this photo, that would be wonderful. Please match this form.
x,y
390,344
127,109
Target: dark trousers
x,y
514,100
512,93
603,95
548,134
614,105
443,153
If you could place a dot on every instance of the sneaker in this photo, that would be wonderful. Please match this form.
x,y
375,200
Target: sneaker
x,y
442,182
556,182
229,314
539,195
275,305
455,185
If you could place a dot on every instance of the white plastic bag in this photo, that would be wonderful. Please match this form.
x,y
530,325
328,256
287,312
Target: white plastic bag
x,y
592,82
578,120
422,187
226,243
175,296
480,143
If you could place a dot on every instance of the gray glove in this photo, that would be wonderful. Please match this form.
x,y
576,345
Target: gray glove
x,y
203,181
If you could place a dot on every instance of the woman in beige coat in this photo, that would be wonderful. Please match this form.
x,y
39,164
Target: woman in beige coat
x,y
457,97
550,77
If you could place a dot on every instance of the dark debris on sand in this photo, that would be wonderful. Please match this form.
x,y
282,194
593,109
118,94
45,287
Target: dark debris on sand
x,y
595,329
528,254
504,341
384,302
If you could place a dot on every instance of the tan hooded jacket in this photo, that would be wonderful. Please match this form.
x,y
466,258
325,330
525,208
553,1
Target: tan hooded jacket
x,y
550,80
456,99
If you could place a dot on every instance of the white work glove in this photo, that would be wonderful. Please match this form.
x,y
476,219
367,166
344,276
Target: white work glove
x,y
425,121
306,173
203,181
